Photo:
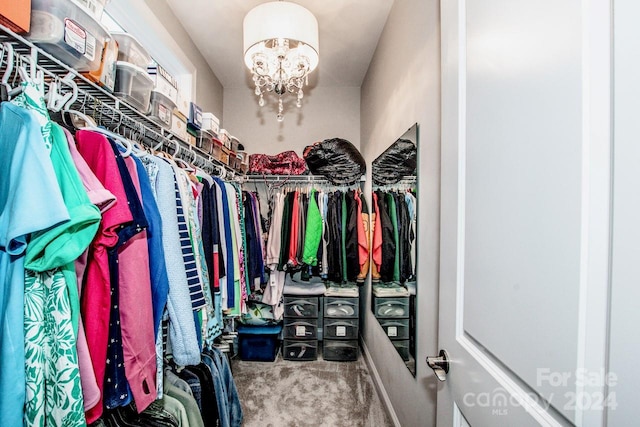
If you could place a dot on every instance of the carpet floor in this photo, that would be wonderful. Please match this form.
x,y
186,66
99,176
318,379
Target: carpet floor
x,y
308,394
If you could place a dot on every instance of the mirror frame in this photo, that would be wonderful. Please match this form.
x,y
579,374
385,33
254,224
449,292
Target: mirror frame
x,y
412,134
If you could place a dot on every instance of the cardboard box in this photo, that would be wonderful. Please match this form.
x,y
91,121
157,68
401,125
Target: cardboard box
x,y
179,125
164,82
195,116
105,76
184,101
16,15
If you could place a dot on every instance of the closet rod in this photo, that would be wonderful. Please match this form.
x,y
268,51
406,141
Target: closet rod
x,y
288,178
109,111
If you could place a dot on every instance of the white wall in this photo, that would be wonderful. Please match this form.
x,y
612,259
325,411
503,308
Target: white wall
x,y
326,113
402,87
208,88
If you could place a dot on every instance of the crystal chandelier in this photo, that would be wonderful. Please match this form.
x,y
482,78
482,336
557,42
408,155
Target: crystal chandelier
x,y
280,49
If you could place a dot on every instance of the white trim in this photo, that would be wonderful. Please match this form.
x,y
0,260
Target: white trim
x,y
596,201
377,382
462,162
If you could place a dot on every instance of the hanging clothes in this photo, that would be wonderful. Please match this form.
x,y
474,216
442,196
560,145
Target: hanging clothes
x,y
394,236
182,329
22,153
313,231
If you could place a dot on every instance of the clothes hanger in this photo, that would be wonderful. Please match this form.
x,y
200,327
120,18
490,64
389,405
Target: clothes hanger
x,y
5,88
91,125
55,99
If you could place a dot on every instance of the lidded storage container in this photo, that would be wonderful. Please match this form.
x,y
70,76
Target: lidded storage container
x,y
133,85
130,50
68,32
161,109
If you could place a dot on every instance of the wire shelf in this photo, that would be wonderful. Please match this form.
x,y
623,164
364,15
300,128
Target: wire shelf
x,y
107,110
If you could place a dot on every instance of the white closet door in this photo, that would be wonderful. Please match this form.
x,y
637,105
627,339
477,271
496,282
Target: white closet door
x,y
526,152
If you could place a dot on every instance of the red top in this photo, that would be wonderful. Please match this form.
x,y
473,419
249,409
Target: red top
x,y
136,311
96,295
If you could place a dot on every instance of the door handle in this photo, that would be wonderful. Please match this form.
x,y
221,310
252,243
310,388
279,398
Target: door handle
x,y
439,364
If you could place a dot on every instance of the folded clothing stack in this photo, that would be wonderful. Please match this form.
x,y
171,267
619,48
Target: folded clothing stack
x,y
342,290
294,285
390,289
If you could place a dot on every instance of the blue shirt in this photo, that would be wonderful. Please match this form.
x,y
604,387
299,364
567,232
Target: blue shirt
x,y
157,263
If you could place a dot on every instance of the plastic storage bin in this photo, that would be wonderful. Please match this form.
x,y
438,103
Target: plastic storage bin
x,y
204,141
210,123
68,32
161,109
130,50
300,350
225,138
258,343
133,85
216,150
235,143
395,328
300,306
300,329
340,329
340,351
164,82
224,155
391,307
341,307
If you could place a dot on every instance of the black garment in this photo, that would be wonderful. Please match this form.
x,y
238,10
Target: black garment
x,y
253,253
388,239
334,237
211,234
193,381
156,416
209,408
351,242
215,217
315,271
127,416
404,237
285,233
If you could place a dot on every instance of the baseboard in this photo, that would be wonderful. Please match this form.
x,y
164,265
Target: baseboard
x,y
377,382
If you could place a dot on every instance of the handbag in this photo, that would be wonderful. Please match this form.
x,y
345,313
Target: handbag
x,y
285,163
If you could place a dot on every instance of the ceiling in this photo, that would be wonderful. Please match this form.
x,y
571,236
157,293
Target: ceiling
x,y
349,32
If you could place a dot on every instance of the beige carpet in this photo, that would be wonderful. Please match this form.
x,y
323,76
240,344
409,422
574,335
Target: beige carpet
x,y
308,394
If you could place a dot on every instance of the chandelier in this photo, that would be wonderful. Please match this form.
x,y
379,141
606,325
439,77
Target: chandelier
x,y
280,49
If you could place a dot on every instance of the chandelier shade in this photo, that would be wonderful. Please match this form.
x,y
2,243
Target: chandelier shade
x,y
280,49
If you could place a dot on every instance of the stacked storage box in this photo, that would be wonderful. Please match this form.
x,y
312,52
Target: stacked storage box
x,y
391,307
69,32
341,324
300,331
133,83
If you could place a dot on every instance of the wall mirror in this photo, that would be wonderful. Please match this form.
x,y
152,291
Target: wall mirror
x,y
393,267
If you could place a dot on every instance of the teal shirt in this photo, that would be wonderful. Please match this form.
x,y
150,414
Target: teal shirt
x,y
30,201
